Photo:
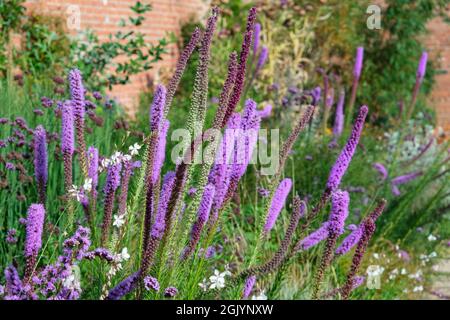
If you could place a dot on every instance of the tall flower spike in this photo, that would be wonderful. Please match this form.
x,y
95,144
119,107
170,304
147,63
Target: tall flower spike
x,y
422,67
179,69
314,238
93,166
249,284
123,288
202,218
200,93
336,222
257,33
78,104
240,76
368,226
277,203
350,241
339,119
358,62
381,169
126,175
262,58
40,161
111,185
266,112
33,240
160,219
226,90
67,142
160,153
157,108
343,161
298,211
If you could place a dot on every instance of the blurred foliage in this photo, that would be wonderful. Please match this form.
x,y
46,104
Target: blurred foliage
x,y
46,48
391,54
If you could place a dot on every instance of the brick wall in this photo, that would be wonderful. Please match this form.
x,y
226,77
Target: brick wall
x,y
438,43
103,17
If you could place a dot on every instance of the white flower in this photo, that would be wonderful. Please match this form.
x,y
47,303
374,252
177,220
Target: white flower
x,y
261,296
217,280
134,149
116,158
124,254
403,271
126,157
432,255
105,163
74,192
118,220
87,186
418,289
203,285
374,271
431,238
72,282
376,256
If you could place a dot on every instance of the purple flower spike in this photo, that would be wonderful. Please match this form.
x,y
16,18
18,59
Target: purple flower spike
x,y
113,177
249,284
256,35
343,161
358,62
202,218
422,67
124,287
266,112
40,161
406,178
277,204
67,130
316,93
339,120
339,211
381,169
93,166
77,93
34,226
157,108
315,237
350,241
160,151
160,223
262,58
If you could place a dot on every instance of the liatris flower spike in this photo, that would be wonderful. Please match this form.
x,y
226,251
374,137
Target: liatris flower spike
x,y
67,142
78,103
343,161
256,35
33,240
402,180
381,169
262,58
160,151
249,284
202,218
277,204
358,62
336,222
350,241
124,287
339,119
157,108
111,185
41,161
314,238
422,67
266,112
160,223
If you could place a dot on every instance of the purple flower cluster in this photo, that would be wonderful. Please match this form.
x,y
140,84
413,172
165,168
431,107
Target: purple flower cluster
x,y
151,283
157,108
339,212
160,219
